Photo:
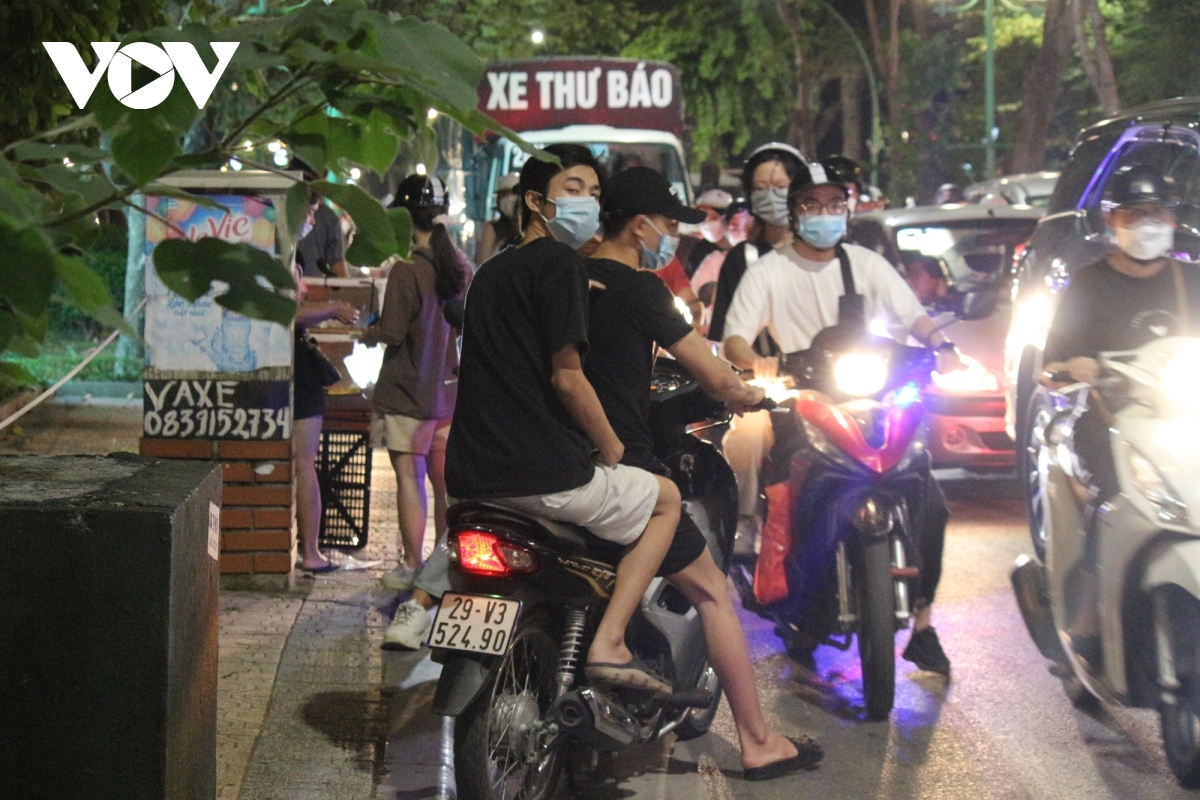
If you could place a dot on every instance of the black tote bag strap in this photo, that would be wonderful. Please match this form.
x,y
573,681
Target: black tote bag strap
x,y
851,310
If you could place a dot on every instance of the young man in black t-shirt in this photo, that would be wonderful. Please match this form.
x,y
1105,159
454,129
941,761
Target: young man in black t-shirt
x,y
1121,302
629,317
527,420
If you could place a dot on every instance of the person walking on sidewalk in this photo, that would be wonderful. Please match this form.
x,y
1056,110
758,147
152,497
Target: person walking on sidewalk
x,y
415,393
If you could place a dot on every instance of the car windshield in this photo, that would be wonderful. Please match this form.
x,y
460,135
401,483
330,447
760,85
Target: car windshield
x,y
620,156
972,255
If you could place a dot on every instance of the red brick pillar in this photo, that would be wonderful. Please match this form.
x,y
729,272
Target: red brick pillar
x,y
257,511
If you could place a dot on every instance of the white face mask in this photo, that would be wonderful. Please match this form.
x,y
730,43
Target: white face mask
x,y
1146,239
771,206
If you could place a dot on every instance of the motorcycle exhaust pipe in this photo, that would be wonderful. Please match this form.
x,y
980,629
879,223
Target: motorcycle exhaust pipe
x,y
596,719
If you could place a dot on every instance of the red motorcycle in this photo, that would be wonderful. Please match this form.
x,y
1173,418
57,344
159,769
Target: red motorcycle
x,y
857,476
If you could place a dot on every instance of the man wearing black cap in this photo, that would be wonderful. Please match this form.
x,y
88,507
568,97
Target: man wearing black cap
x,y
634,313
1132,296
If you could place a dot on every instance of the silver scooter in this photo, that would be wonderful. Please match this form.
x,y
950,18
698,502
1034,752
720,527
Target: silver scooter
x,y
1146,547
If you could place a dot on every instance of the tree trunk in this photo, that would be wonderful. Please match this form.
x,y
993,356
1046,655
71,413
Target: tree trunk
x,y
1040,92
1096,60
853,138
800,128
892,76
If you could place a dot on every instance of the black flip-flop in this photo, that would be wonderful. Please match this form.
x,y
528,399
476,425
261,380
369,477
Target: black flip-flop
x,y
808,754
631,675
325,570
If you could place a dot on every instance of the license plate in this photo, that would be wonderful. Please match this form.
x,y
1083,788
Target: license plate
x,y
474,624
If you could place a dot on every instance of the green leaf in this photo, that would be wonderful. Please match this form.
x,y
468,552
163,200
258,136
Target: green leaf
x,y
375,241
297,207
143,150
164,190
89,185
40,151
84,287
401,221
15,375
189,269
26,268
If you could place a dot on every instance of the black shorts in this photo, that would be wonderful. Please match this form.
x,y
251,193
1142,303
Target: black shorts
x,y
686,547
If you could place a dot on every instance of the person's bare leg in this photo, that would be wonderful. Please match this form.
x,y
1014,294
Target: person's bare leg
x,y
423,598
922,617
411,504
437,477
634,573
705,587
306,440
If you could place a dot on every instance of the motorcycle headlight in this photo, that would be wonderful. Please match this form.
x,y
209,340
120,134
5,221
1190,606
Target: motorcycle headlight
x,y
1154,487
975,378
776,388
860,374
1031,323
1180,378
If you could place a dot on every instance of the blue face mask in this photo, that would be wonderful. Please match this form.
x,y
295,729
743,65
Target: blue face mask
x,y
657,259
576,219
823,231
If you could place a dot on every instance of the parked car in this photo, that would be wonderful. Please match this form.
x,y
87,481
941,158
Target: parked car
x,y
951,256
1025,189
1073,234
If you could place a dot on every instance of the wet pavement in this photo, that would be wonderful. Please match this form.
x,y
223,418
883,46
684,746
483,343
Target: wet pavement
x,y
310,707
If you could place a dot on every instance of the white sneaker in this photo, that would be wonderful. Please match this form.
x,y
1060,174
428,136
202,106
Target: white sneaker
x,y
746,542
409,627
400,579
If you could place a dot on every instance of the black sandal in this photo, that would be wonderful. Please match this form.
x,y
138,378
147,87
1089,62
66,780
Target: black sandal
x,y
808,755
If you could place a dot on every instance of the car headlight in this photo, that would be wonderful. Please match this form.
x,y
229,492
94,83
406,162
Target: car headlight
x,y
975,378
1154,487
1031,323
860,374
1180,378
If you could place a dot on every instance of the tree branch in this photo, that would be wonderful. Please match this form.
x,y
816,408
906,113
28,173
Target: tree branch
x,y
295,83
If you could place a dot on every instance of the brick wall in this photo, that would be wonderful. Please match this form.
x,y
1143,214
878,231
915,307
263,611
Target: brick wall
x,y
257,541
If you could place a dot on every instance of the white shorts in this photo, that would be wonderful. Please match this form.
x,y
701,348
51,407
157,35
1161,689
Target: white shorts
x,y
615,505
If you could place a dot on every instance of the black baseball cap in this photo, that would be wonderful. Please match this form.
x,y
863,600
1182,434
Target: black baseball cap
x,y
641,190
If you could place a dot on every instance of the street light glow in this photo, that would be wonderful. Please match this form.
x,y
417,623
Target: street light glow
x,y
433,114
537,37
421,169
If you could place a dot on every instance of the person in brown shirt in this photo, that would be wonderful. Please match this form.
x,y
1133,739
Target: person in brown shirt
x,y
415,393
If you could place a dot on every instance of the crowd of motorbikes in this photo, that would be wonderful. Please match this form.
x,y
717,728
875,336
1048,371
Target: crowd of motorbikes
x,y
528,592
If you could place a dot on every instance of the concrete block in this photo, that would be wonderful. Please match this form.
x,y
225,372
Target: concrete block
x,y
108,628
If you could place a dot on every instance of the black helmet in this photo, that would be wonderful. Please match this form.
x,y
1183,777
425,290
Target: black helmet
x,y
421,191
848,168
830,171
1138,183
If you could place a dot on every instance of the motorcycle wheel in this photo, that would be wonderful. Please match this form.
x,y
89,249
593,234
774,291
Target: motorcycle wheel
x,y
697,721
877,628
497,739
1180,716
1037,415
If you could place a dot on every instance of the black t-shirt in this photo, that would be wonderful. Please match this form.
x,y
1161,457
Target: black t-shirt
x,y
634,311
323,246
730,276
511,435
1103,310
696,254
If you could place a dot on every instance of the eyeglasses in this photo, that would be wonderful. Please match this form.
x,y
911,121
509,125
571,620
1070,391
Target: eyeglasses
x,y
811,208
1137,213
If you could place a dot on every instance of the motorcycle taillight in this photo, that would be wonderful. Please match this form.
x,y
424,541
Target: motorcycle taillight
x,y
487,555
